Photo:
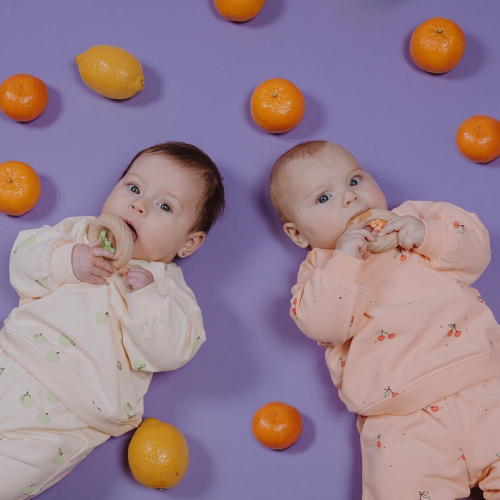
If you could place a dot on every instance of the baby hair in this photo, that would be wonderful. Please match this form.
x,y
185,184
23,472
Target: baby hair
x,y
200,164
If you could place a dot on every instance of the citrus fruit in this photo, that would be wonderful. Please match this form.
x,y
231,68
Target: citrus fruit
x,y
158,454
277,425
239,10
23,97
437,45
111,71
478,138
277,105
20,188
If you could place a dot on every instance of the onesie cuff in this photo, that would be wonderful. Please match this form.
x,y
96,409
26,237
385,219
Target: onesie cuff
x,y
436,236
143,302
61,268
344,267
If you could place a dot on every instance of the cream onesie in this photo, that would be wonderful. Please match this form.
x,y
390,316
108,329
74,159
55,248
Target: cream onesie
x,y
409,345
81,356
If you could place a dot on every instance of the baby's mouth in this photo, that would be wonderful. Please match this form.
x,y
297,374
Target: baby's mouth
x,y
132,230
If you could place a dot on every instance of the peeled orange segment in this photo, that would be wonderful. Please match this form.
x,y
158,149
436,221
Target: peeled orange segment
x,y
124,242
111,71
376,218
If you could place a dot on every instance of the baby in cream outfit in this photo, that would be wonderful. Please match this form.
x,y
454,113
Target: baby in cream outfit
x,y
410,345
78,354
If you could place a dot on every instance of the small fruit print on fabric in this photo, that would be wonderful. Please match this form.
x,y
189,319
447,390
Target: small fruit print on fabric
x,y
58,459
377,439
39,338
400,254
381,335
424,494
27,400
433,408
341,362
457,225
102,317
462,456
139,364
389,391
453,331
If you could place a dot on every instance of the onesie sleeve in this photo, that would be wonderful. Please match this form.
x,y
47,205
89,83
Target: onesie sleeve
x,y
328,301
40,260
455,242
164,327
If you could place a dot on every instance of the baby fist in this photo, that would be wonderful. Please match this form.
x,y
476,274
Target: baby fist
x,y
137,278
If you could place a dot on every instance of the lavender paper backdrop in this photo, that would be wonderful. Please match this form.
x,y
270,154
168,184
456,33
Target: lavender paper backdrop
x,y
350,58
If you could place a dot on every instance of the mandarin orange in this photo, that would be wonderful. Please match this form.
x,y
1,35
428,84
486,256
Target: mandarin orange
x,y
277,425
478,138
20,188
277,105
437,45
239,10
23,97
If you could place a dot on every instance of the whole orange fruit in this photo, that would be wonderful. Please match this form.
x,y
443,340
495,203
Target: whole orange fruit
x,y
277,425
20,187
158,454
277,105
23,97
239,10
437,45
478,138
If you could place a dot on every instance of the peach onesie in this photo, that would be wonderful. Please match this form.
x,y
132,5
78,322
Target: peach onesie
x,y
91,347
405,331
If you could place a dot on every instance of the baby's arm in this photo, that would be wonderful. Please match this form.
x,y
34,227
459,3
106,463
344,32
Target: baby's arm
x,y
455,242
164,327
40,260
328,300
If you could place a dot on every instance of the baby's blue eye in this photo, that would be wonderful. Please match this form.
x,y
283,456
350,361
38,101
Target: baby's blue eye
x,y
133,188
324,198
164,207
354,181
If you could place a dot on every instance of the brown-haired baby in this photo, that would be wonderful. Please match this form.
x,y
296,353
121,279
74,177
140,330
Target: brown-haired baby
x,y
78,354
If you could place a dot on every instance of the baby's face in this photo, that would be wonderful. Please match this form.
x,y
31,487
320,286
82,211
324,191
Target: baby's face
x,y
160,200
324,194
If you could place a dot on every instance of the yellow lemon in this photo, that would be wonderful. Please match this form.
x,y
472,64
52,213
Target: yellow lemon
x,y
158,454
111,71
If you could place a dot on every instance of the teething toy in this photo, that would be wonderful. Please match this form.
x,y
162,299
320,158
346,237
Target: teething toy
x,y
377,219
108,223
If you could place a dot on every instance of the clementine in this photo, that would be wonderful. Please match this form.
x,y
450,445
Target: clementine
x,y
239,10
437,45
277,105
277,425
20,188
23,97
478,138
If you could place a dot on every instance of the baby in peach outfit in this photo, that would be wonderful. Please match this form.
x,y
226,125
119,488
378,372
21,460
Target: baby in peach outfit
x,y
410,345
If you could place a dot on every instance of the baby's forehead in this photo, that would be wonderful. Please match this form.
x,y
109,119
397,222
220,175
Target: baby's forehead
x,y
301,171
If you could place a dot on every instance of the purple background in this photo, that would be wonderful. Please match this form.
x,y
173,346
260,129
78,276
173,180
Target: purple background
x,y
350,59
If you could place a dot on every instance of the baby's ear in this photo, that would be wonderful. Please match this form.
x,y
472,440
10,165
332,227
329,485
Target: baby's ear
x,y
192,243
295,235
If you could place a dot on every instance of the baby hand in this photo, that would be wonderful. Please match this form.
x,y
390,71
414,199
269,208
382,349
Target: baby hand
x,y
354,241
89,263
411,231
137,277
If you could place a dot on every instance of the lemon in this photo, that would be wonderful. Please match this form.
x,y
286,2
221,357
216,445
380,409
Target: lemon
x,y
111,71
158,454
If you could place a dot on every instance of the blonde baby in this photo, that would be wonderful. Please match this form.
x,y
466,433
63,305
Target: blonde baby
x,y
410,345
